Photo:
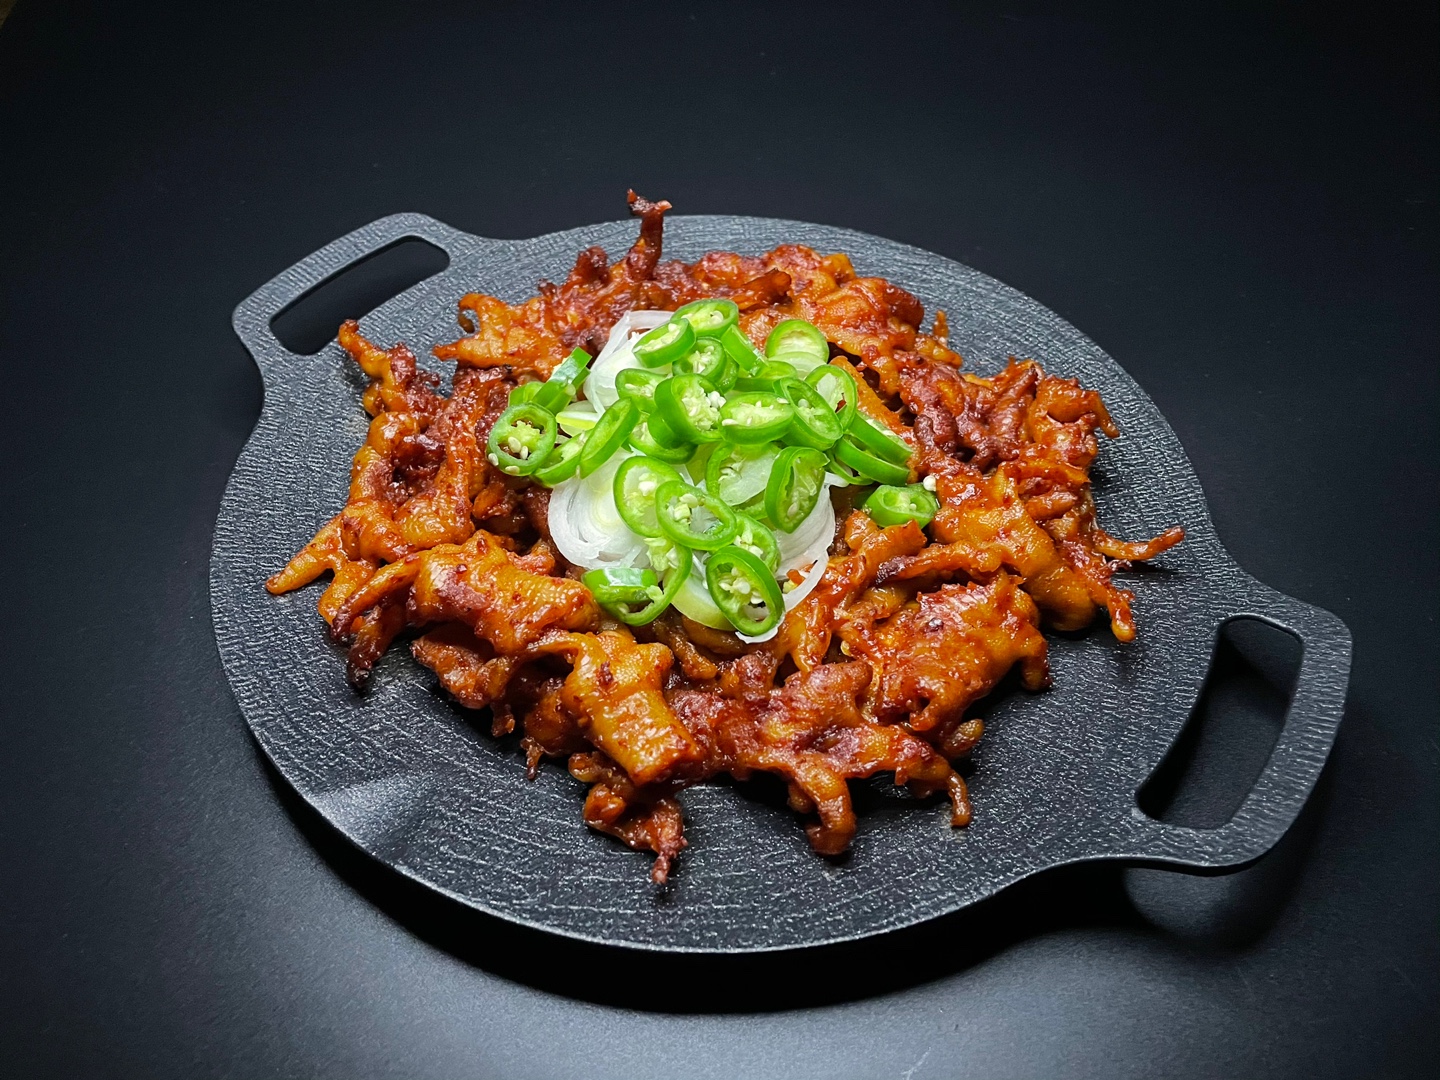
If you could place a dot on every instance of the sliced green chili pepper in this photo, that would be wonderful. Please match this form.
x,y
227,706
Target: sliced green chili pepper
x,y
868,465
880,441
521,439
710,318
737,473
815,421
571,370
744,590
563,462
621,584
724,379
638,383
700,460
689,407
839,391
642,438
693,600
845,472
608,435
890,505
796,484
755,417
755,508
756,538
708,360
636,482
665,344
798,336
803,363
767,377
662,432
664,554
659,596
693,518
739,348
525,393
563,386
554,396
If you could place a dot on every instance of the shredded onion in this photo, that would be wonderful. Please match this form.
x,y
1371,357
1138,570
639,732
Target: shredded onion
x,y
589,532
693,600
616,356
818,526
586,527
806,549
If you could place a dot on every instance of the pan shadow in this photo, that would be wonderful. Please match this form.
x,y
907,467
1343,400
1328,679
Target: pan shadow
x,y
1200,783
1065,898
1210,914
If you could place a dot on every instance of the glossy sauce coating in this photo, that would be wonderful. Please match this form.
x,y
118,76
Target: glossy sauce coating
x,y
872,673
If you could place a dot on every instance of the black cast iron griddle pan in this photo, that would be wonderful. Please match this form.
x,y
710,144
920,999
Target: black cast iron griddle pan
x,y
413,780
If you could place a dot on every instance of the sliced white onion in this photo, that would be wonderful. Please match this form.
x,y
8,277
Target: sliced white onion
x,y
802,362
693,600
616,356
578,417
589,532
817,525
815,533
585,525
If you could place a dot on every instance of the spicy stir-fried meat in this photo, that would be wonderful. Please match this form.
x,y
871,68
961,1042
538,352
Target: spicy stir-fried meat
x,y
872,672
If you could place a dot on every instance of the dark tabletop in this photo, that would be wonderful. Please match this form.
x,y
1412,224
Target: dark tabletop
x,y
1239,205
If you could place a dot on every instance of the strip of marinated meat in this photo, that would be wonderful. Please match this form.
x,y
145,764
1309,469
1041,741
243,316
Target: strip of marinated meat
x,y
509,600
397,384
1085,547
811,731
535,336
941,654
989,518
325,552
646,819
806,632
615,692
441,513
467,666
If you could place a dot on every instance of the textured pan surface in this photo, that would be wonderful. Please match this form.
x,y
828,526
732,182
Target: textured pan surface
x,y
417,782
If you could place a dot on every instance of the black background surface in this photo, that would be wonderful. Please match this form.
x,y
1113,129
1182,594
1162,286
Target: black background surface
x,y
1239,205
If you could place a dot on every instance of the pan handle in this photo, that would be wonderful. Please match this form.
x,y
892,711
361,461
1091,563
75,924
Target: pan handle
x,y
253,315
1313,716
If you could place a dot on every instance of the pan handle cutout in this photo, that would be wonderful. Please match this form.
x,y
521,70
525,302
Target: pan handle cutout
x,y
306,325
1180,820
255,314
1222,749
